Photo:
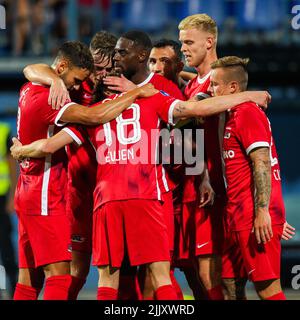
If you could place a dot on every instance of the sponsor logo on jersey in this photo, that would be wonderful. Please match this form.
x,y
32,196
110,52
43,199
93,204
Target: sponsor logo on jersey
x,y
228,154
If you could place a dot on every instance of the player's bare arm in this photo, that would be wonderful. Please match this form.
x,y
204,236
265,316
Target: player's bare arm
x,y
44,74
261,164
107,111
208,107
187,76
40,148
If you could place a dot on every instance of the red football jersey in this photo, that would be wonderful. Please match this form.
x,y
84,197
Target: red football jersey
x,y
248,128
161,83
199,86
127,149
84,95
82,166
42,182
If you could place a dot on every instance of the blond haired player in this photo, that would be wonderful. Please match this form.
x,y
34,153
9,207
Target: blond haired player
x,y
203,238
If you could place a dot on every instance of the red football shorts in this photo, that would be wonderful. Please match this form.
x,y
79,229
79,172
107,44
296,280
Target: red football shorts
x,y
43,240
243,257
201,230
137,226
80,213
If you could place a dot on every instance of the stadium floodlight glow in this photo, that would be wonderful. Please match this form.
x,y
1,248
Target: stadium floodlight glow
x,y
296,20
2,278
2,17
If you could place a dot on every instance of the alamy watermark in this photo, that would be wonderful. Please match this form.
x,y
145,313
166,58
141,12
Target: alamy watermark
x,y
2,17
296,19
296,279
2,278
159,146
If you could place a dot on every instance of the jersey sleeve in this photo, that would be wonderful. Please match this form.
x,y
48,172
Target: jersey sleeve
x,y
165,105
253,128
77,133
57,120
47,114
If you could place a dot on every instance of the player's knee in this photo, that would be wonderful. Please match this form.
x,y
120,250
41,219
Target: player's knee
x,y
267,288
160,273
24,277
108,277
31,277
234,288
80,265
209,270
57,269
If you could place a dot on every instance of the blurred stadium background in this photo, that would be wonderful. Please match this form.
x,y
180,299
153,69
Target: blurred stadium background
x,y
259,29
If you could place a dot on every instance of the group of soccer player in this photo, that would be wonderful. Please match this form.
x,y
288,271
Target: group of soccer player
x,y
106,196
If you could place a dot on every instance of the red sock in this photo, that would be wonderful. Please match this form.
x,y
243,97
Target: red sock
x,y
176,286
107,293
23,292
166,292
76,286
129,288
277,296
215,293
57,287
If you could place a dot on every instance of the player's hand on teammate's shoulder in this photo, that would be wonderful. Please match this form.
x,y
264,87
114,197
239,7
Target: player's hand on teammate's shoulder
x,y
147,90
58,95
262,98
120,84
288,231
262,226
15,149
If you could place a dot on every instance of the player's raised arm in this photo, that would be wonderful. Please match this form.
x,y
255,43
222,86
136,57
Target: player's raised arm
x,y
40,148
105,112
44,74
208,107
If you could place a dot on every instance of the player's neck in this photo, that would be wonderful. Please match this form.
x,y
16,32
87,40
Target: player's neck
x,y
205,67
140,76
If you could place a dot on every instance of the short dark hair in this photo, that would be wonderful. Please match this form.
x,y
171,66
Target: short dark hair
x,y
139,38
103,43
162,43
77,53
